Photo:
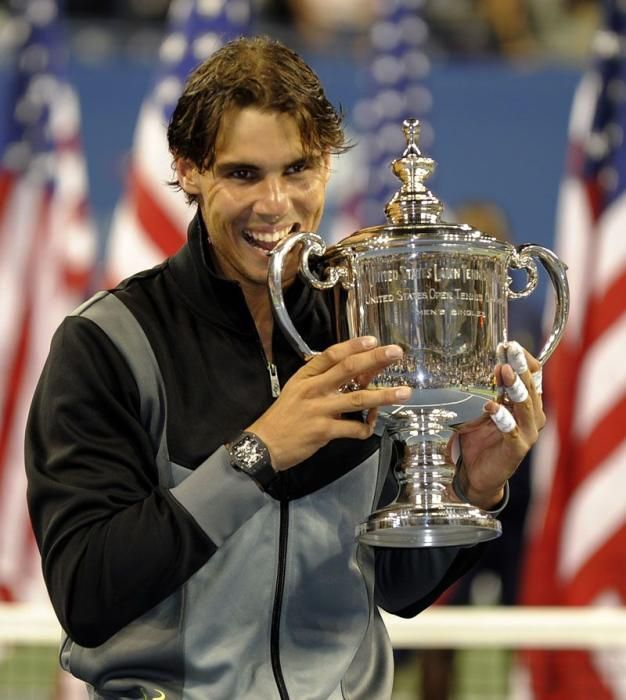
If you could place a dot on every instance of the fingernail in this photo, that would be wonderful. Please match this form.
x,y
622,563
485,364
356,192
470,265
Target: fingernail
x,y
403,392
393,352
369,341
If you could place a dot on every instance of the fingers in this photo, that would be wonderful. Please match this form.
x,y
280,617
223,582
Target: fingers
x,y
519,378
367,399
502,417
537,378
517,392
338,366
311,408
525,364
527,369
335,354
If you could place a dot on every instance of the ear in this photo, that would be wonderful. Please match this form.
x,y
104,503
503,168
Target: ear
x,y
187,174
327,161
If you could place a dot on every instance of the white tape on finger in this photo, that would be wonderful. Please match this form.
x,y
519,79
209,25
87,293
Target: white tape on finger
x,y
538,381
518,391
516,357
504,420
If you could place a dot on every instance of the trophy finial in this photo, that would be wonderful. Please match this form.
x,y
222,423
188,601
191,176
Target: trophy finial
x,y
412,130
413,203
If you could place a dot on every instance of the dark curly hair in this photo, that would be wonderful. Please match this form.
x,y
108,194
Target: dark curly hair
x,y
251,71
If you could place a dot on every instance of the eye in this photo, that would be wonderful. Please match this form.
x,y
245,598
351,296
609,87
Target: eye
x,y
298,167
242,174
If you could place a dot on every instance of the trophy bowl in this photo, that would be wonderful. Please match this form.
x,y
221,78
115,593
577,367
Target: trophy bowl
x,y
441,292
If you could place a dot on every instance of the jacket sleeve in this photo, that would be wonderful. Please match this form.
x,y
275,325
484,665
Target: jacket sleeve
x,y
408,580
114,543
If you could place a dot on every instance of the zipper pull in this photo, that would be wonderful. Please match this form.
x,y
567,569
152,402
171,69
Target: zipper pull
x,y
274,381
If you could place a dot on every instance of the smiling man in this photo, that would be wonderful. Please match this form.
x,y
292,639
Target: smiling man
x,y
261,187
194,486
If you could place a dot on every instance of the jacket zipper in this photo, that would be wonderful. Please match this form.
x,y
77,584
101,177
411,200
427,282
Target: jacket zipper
x,y
282,560
272,371
278,601
274,381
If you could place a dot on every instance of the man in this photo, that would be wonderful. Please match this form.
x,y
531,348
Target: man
x,y
194,485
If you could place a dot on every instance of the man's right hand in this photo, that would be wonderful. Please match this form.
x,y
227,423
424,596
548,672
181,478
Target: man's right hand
x,y
309,411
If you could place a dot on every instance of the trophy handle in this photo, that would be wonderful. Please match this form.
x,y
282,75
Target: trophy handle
x,y
557,271
312,245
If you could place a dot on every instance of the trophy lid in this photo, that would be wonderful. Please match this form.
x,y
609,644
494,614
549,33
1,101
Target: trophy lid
x,y
413,203
414,214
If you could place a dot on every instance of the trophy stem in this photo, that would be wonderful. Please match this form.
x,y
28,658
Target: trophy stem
x,y
424,513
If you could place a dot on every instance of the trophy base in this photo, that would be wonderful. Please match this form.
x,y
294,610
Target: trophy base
x,y
443,525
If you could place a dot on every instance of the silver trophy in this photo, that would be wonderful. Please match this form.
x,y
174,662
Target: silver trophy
x,y
440,291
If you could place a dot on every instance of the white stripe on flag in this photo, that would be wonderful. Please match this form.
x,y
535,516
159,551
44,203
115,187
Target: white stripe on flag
x,y
602,379
574,223
595,512
129,249
153,162
19,224
610,252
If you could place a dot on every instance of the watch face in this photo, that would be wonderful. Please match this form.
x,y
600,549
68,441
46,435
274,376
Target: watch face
x,y
248,452
250,455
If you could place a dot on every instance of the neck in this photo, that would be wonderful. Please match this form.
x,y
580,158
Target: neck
x,y
257,300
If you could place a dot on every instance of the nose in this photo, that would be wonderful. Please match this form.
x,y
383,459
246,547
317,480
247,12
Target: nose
x,y
272,199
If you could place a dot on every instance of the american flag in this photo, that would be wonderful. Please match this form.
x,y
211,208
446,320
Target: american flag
x,y
395,89
47,251
578,554
150,222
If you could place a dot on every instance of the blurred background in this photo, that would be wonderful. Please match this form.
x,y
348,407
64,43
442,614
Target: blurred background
x,y
522,106
496,79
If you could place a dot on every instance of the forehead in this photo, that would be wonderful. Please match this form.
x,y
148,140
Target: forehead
x,y
252,133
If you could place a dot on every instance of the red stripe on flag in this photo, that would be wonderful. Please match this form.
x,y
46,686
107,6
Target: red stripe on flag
x,y
7,181
595,197
606,310
602,441
565,675
561,381
17,370
156,223
14,384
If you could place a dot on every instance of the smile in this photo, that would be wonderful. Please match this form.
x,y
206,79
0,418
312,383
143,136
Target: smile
x,y
267,240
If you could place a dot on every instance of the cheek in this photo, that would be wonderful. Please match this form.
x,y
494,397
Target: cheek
x,y
221,207
313,198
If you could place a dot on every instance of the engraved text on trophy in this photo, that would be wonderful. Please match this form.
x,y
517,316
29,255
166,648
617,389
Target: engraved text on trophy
x,y
444,309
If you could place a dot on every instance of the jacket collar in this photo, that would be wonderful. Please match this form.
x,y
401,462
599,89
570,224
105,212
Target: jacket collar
x,y
216,298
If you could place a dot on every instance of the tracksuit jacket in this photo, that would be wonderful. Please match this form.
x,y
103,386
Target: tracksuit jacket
x,y
172,574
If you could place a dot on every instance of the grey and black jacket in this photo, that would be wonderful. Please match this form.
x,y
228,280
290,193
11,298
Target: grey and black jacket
x,y
173,575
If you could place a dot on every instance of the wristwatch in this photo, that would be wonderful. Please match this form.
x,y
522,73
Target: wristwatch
x,y
249,454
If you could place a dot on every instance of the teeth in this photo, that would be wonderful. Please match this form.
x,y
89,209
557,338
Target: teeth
x,y
268,237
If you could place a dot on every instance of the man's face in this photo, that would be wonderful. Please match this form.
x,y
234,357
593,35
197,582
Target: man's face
x,y
261,188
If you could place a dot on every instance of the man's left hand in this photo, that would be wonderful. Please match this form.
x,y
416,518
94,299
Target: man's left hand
x,y
493,446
